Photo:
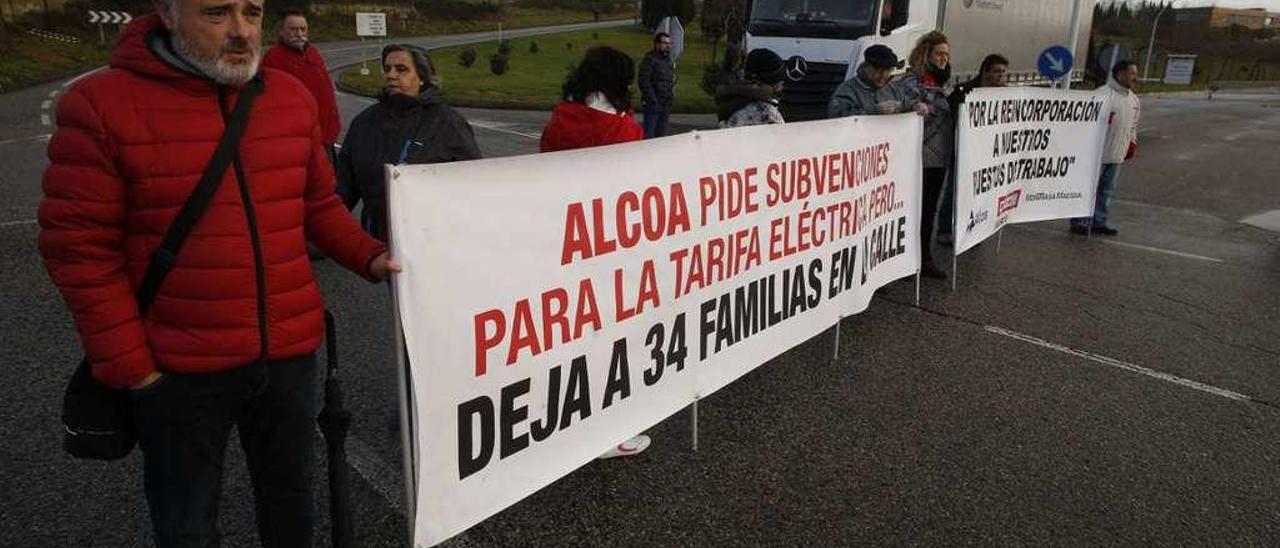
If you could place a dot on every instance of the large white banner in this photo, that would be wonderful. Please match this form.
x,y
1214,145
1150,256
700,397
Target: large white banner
x,y
1024,155
555,305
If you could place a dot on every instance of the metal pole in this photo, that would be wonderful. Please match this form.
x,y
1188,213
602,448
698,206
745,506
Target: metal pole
x,y
999,238
1151,44
406,437
917,289
835,351
1076,8
955,270
694,419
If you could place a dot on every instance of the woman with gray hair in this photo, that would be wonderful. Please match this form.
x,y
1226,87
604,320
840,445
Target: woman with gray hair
x,y
408,125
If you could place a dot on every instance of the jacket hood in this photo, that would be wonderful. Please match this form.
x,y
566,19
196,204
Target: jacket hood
x,y
399,101
145,47
575,125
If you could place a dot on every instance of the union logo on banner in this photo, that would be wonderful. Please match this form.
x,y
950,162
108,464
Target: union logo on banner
x,y
1008,202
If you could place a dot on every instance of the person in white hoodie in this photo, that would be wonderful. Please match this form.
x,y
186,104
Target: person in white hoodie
x,y
1121,144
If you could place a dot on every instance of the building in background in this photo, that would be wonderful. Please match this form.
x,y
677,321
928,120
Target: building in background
x,y
1216,17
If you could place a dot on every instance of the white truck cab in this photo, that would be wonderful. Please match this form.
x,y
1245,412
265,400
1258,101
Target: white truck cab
x,y
830,36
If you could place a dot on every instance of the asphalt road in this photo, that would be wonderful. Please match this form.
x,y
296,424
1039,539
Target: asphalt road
x,y
1073,392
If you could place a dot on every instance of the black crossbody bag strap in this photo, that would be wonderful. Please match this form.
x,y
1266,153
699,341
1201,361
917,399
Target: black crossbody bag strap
x,y
166,255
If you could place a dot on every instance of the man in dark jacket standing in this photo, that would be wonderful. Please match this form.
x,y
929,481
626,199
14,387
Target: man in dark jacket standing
x,y
294,55
230,339
657,86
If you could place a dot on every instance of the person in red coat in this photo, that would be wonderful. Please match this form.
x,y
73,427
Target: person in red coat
x,y
294,55
596,109
230,339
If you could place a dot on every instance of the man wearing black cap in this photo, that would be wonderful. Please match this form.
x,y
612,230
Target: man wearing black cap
x,y
869,92
754,101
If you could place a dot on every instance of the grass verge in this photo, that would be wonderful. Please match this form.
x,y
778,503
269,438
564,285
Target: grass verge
x,y
533,80
29,60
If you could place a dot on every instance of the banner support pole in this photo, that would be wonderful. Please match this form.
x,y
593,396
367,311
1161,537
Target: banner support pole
x,y
406,437
917,289
835,352
955,270
694,423
999,239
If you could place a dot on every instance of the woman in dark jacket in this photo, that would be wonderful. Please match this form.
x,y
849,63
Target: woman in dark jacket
x,y
408,125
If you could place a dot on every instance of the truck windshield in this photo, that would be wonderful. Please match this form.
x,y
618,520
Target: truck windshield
x,y
840,19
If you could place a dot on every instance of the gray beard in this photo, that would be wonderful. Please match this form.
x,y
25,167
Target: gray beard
x,y
222,72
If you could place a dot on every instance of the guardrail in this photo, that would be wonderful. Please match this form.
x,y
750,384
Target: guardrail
x,y
1243,84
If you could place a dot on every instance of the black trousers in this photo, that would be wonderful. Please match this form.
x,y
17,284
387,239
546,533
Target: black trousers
x,y
935,179
184,422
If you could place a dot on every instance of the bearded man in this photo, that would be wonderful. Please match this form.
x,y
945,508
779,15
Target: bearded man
x,y
229,339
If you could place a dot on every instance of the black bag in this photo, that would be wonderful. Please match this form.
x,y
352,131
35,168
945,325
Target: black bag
x,y
99,419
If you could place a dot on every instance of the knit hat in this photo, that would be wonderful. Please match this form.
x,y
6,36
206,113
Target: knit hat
x,y
764,66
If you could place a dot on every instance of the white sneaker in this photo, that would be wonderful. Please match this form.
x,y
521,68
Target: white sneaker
x,y
633,446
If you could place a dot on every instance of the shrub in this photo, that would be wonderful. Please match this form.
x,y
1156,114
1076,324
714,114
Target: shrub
x,y
533,47
499,63
468,57
505,48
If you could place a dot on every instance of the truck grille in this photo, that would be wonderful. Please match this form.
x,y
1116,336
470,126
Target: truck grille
x,y
807,99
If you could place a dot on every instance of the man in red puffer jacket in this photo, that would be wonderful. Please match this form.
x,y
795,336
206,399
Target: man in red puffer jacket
x,y
230,338
294,55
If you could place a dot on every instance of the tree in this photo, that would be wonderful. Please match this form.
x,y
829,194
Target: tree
x,y
685,10
723,19
652,12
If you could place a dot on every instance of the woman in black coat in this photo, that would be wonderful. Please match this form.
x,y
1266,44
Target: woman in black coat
x,y
408,125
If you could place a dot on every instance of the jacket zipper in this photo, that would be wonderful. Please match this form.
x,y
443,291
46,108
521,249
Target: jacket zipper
x,y
260,274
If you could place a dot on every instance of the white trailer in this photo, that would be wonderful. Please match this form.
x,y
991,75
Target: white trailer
x,y
830,36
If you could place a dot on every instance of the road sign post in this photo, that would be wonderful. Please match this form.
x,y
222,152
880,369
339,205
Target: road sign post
x,y
103,18
369,24
1055,62
1179,69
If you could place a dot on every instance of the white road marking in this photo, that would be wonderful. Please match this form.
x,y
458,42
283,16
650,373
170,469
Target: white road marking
x,y
360,98
1108,241
46,104
1162,250
1269,220
1187,383
482,124
8,224
82,75
54,93
499,127
45,120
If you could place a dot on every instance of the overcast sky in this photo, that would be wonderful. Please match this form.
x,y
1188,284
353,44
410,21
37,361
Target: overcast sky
x,y
1270,5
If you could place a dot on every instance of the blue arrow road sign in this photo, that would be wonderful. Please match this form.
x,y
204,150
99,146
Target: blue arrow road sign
x,y
1054,62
